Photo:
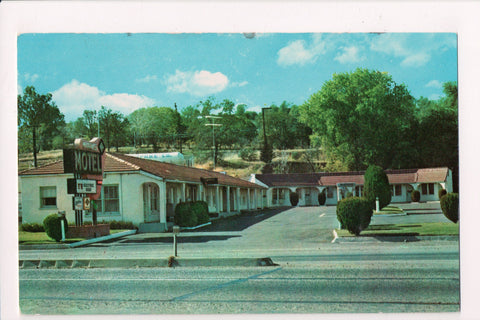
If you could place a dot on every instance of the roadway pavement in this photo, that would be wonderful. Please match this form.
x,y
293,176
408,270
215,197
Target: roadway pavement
x,y
308,272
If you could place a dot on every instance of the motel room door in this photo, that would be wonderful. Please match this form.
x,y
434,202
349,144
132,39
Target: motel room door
x,y
151,202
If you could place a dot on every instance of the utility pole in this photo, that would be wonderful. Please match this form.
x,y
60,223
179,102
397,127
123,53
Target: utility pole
x,y
264,133
213,125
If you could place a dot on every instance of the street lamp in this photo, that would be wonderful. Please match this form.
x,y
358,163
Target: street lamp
x,y
213,125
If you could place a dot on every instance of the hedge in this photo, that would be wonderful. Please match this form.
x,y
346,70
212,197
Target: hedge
x,y
449,205
354,214
52,226
32,227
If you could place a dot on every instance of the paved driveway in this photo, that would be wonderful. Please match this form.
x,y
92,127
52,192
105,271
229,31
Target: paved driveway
x,y
296,228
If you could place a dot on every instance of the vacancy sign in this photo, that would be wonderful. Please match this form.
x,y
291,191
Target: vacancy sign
x,y
86,186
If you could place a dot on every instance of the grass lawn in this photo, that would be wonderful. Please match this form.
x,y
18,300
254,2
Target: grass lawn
x,y
418,229
389,210
25,237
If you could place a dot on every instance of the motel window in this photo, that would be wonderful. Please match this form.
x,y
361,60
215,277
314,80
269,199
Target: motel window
x,y
358,191
109,200
281,194
274,196
396,190
428,188
48,197
329,192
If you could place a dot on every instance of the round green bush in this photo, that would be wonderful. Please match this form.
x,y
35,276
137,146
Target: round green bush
x,y
200,208
184,216
354,214
376,185
294,198
322,198
52,226
415,196
441,193
449,204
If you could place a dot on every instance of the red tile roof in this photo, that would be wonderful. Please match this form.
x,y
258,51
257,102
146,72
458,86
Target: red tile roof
x,y
122,163
332,178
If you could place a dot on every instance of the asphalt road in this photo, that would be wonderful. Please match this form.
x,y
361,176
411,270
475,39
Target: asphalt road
x,y
313,275
338,286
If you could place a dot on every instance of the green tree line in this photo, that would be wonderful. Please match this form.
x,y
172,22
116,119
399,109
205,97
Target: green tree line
x,y
357,118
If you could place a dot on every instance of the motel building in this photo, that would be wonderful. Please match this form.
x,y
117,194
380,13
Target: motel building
x,y
339,184
138,190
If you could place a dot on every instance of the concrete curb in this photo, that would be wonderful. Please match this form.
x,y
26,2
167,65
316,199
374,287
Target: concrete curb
x,y
146,263
100,239
394,239
75,244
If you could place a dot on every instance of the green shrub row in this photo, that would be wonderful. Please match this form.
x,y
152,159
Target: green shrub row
x,y
190,214
354,214
449,205
32,227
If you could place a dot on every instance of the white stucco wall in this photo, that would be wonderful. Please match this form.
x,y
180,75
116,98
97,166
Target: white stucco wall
x,y
130,190
31,209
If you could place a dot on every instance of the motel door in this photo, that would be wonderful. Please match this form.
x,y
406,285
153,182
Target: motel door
x,y
151,202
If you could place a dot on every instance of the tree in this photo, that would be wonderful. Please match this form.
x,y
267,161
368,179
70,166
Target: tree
x,y
361,118
153,125
437,133
39,114
283,128
376,185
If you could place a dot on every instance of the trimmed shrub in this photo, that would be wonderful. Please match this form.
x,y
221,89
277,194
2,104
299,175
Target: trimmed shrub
x,y
349,194
377,185
200,208
441,193
53,228
415,196
191,214
354,214
294,198
449,204
32,227
184,216
119,225
322,198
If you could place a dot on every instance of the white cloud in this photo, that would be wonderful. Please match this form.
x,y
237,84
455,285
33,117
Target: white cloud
x,y
74,97
414,50
435,96
31,77
349,55
300,52
197,83
416,60
256,109
434,84
147,78
239,84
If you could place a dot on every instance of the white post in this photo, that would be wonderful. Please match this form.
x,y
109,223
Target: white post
x,y
377,205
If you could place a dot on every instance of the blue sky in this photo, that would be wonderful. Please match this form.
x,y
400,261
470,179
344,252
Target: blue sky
x,y
125,72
